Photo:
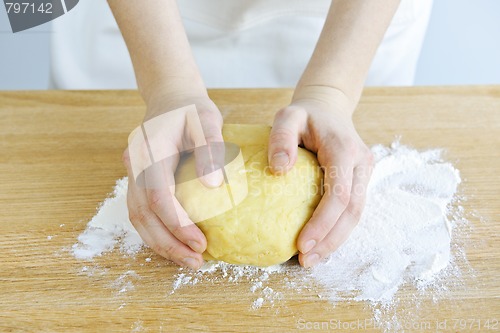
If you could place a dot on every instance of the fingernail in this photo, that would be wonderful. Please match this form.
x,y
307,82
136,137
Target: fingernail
x,y
311,260
191,263
280,160
309,245
195,246
213,176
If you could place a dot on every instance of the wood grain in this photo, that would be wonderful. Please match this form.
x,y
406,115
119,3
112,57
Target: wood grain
x,y
60,154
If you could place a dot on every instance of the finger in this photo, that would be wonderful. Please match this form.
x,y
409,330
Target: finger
x,y
160,194
346,223
337,191
289,123
209,158
154,233
157,237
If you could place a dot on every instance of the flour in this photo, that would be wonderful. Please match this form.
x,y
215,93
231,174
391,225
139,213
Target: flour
x,y
109,227
257,304
404,237
124,282
256,277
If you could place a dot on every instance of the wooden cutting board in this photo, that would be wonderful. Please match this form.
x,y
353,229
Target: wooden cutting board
x,y
60,154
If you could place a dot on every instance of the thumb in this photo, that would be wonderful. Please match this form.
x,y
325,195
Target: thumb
x,y
210,157
284,138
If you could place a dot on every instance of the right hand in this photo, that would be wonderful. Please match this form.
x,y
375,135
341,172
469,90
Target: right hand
x,y
153,209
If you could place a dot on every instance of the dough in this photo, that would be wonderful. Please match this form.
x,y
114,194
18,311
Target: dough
x,y
268,212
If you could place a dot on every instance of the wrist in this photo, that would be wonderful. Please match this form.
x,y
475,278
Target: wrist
x,y
169,100
331,97
165,85
173,92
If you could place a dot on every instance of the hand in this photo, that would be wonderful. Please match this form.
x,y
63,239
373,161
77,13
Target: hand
x,y
153,209
319,118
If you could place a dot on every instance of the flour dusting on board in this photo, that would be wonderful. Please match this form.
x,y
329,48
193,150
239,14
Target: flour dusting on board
x,y
109,227
404,238
404,234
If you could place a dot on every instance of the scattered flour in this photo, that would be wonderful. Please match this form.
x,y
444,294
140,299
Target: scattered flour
x,y
214,271
137,326
257,304
124,282
404,237
109,227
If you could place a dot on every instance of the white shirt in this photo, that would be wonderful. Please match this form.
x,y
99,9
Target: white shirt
x,y
236,43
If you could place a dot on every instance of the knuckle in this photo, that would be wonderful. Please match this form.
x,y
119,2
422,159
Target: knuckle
x,y
175,228
355,209
281,131
213,134
126,157
350,146
322,228
286,113
342,194
166,250
208,110
368,157
211,120
140,215
330,245
156,201
280,134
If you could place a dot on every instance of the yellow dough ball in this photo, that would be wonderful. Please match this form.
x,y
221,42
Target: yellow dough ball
x,y
255,217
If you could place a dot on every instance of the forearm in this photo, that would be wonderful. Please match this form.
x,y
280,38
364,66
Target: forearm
x,y
350,37
158,47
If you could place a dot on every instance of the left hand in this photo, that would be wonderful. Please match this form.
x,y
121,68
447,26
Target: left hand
x,y
319,118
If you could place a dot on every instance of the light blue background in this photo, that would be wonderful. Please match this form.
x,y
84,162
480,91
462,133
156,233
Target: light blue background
x,y
462,46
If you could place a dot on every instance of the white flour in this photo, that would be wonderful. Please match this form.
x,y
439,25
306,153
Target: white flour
x,y
109,227
257,277
404,236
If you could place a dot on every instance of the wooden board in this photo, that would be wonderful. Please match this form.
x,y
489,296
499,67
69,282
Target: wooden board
x,y
60,154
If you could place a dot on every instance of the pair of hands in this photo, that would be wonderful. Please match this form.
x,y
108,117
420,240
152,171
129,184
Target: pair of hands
x,y
319,118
